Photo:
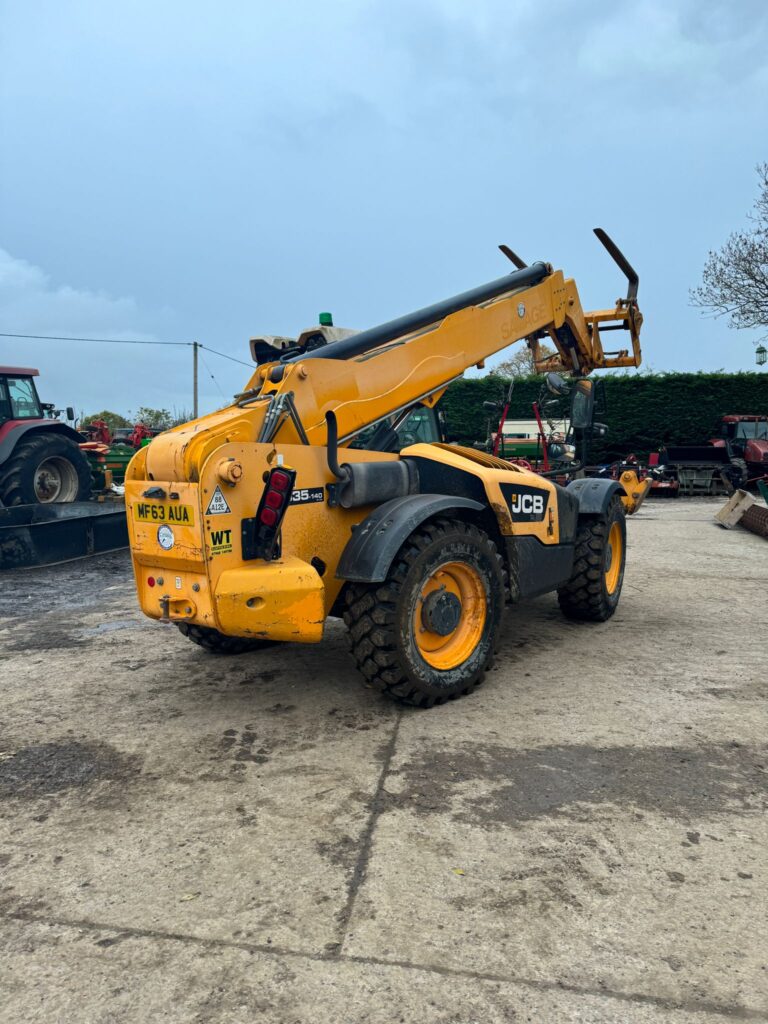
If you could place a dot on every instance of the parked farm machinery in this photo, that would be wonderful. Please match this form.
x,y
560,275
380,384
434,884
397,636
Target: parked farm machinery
x,y
256,522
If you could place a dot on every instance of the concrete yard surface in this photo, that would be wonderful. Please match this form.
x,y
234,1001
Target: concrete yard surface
x,y
187,837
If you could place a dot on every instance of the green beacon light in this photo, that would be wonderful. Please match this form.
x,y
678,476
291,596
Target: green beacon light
x,y
326,319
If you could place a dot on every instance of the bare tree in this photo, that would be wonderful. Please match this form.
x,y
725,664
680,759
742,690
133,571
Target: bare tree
x,y
521,363
735,278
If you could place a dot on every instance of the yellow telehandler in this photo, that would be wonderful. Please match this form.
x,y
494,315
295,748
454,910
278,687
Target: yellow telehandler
x,y
326,489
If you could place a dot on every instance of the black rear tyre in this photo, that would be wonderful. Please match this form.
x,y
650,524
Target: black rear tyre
x,y
593,591
428,633
45,468
738,472
214,642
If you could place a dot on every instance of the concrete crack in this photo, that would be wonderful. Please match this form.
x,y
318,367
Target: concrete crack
x,y
733,1011
366,842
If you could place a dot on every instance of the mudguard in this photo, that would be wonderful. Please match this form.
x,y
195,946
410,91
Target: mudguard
x,y
375,542
12,437
594,494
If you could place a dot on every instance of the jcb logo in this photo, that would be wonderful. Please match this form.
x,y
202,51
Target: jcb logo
x,y
527,504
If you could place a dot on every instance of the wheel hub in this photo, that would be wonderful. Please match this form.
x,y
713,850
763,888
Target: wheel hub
x,y
441,612
55,479
47,482
450,615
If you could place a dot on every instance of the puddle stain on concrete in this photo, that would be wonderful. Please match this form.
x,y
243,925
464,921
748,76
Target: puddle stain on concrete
x,y
48,768
522,785
47,637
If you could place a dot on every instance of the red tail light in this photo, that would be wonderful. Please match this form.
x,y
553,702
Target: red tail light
x,y
279,479
260,534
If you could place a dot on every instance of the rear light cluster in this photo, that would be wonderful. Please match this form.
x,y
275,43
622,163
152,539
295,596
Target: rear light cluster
x,y
260,534
276,497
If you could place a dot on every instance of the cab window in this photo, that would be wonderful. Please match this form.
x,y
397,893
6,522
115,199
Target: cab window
x,y
419,425
748,429
24,401
5,403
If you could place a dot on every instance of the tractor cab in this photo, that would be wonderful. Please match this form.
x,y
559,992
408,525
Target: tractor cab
x,y
18,395
40,457
739,430
746,438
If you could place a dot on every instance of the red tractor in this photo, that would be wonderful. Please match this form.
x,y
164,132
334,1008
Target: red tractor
x,y
746,438
40,458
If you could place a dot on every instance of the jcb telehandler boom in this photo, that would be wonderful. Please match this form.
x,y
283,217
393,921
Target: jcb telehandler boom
x,y
325,490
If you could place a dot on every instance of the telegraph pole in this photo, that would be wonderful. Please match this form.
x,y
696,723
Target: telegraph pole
x,y
195,347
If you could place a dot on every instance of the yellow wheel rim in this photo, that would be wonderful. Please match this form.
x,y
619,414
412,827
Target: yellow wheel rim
x,y
615,558
463,582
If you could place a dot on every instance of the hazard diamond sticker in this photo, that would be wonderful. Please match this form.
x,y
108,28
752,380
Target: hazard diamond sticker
x,y
218,504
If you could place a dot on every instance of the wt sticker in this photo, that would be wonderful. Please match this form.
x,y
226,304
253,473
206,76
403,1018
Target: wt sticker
x,y
221,542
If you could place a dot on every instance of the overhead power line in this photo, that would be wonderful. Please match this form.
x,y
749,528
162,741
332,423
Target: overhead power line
x,y
126,341
210,374
100,341
225,356
196,346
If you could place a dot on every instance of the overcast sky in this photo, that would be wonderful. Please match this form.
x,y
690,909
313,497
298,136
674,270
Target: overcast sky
x,y
211,171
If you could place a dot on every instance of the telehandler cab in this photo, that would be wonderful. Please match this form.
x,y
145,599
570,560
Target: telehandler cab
x,y
255,523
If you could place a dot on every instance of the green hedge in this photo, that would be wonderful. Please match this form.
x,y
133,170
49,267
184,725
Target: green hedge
x,y
644,412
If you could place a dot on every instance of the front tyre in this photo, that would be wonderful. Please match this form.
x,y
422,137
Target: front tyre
x,y
593,591
428,633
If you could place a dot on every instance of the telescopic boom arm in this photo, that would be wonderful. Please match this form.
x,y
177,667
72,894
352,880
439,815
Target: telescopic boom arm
x,y
376,373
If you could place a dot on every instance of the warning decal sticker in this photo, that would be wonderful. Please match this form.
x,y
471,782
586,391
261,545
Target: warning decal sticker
x,y
221,542
218,504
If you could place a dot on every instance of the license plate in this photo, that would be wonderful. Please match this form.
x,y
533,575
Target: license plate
x,y
170,512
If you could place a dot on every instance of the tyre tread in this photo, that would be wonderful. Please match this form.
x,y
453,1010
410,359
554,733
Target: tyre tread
x,y
214,642
370,618
584,597
14,491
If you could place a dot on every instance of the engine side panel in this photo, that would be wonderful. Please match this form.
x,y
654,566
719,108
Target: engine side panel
x,y
523,503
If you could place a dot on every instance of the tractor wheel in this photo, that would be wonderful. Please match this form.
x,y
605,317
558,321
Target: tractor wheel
x,y
593,591
214,642
738,472
428,633
45,468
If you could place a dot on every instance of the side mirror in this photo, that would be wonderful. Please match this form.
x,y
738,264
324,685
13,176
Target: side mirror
x,y
599,430
492,406
70,413
557,385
